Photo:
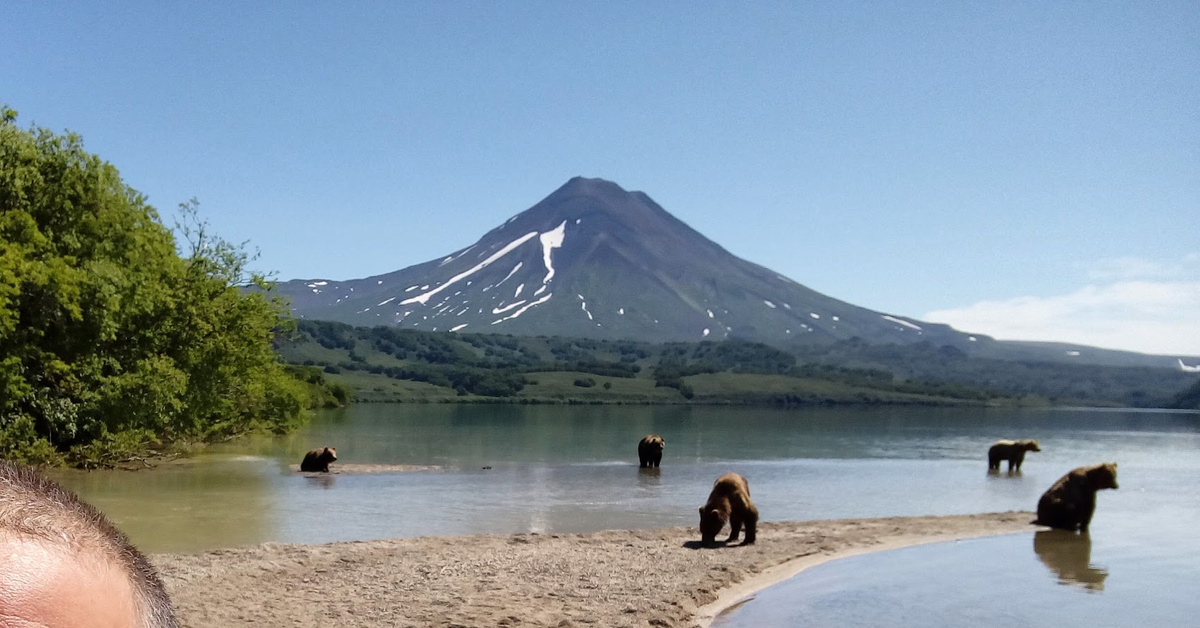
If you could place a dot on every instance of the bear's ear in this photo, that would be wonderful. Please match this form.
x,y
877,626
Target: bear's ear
x,y
702,511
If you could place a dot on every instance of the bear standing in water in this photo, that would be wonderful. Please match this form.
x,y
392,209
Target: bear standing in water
x,y
318,460
728,501
650,450
1011,450
1070,503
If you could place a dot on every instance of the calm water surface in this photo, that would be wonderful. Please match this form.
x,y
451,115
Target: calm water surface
x,y
1138,566
574,469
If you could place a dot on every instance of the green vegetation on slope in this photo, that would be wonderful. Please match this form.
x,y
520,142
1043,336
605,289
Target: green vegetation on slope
x,y
1188,399
1131,386
111,342
391,364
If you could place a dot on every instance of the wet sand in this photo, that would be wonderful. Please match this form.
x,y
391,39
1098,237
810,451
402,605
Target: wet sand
x,y
614,578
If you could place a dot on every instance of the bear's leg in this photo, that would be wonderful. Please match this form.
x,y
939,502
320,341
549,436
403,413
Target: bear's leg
x,y
751,525
735,528
1065,517
1085,515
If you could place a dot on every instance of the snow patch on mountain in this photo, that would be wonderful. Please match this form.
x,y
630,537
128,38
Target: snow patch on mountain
x,y
524,309
551,240
501,310
423,298
898,321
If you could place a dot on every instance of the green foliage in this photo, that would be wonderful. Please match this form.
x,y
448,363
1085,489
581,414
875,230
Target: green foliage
x,y
113,342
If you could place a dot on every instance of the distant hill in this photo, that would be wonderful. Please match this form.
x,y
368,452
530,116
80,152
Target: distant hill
x,y
390,364
1188,399
593,260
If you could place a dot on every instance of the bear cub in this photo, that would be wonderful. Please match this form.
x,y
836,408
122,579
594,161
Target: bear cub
x,y
650,450
728,501
1071,501
1011,450
318,459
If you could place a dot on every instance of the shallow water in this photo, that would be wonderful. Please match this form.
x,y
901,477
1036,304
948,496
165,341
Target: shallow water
x,y
1045,578
574,469
1138,565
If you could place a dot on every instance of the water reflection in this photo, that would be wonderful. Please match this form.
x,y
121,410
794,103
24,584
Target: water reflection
x,y
649,477
1069,556
324,480
997,473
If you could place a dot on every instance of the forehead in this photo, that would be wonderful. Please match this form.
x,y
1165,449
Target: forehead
x,y
49,586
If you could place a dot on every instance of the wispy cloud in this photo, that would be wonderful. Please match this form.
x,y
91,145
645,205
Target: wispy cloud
x,y
1129,268
1160,317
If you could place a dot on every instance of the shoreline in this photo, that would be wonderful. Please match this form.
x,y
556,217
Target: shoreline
x,y
658,577
742,592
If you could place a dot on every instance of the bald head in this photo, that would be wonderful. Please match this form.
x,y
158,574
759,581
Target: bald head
x,y
63,565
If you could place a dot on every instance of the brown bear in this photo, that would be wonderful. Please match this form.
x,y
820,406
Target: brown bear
x,y
650,450
1070,503
318,459
1011,450
728,501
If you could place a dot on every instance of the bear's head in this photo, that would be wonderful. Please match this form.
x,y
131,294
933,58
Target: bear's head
x,y
1030,445
329,454
656,442
711,521
1103,476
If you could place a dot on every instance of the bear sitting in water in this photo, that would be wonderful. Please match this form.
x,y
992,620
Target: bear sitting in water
x,y
728,501
318,459
1070,503
1011,450
650,450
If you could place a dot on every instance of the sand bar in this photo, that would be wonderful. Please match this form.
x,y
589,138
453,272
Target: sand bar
x,y
366,469
613,578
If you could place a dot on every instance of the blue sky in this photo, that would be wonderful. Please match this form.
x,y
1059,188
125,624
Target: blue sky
x,y
1022,169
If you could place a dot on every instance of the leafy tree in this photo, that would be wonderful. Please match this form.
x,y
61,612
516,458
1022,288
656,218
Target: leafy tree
x,y
111,341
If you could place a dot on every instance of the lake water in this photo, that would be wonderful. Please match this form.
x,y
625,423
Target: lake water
x,y
574,469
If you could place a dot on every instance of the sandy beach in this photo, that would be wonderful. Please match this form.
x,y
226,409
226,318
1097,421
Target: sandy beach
x,y
614,578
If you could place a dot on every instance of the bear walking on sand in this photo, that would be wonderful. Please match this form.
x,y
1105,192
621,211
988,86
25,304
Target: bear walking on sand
x,y
1011,450
318,459
1070,503
650,450
728,501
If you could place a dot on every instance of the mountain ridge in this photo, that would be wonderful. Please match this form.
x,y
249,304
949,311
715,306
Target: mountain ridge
x,y
593,260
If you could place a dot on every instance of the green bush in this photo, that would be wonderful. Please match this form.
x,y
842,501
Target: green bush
x,y
112,340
